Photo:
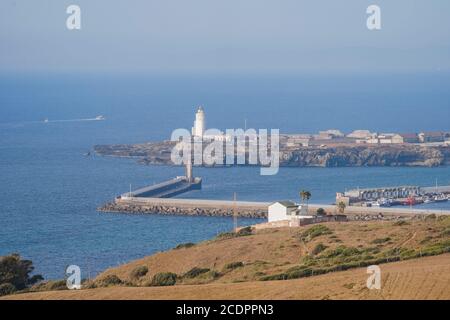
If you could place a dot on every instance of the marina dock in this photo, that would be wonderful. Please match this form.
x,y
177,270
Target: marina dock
x,y
394,196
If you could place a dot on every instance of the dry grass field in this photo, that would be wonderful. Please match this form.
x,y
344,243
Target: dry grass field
x,y
424,278
311,262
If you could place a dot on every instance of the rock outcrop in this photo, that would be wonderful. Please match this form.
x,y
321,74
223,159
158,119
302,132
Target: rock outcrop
x,y
340,156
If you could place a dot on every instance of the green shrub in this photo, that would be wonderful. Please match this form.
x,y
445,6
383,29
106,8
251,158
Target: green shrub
x,y
280,276
138,272
6,289
400,223
109,280
164,279
443,218
15,271
446,232
426,239
344,258
318,248
349,285
381,240
315,231
185,245
342,251
321,212
195,272
213,274
51,285
226,235
246,231
89,284
233,265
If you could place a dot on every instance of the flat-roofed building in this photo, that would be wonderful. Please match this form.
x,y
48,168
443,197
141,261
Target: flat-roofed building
x,y
432,136
360,134
409,137
330,134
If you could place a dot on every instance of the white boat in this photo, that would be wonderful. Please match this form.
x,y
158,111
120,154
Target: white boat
x,y
440,198
45,120
383,203
100,117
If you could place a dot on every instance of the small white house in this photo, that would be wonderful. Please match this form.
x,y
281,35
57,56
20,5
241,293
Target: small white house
x,y
285,210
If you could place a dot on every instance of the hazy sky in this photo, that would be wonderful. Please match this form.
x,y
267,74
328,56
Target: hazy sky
x,y
225,35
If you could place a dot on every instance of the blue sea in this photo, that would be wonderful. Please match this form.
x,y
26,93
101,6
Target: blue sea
x,y
50,190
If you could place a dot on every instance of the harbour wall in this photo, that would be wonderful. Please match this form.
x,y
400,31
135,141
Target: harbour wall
x,y
439,189
190,207
197,207
166,189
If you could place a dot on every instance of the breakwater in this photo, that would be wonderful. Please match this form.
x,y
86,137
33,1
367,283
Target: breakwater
x,y
221,208
188,207
166,189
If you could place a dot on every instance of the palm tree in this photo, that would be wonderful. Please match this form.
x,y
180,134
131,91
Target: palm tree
x,y
341,206
305,195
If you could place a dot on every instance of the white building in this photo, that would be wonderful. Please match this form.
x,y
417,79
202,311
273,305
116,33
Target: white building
x,y
330,134
199,124
360,134
386,138
286,210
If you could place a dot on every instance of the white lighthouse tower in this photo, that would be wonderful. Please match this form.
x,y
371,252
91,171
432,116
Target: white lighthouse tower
x,y
199,124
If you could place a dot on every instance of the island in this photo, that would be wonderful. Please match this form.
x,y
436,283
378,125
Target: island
x,y
337,155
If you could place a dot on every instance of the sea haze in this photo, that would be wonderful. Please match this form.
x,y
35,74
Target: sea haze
x,y
50,189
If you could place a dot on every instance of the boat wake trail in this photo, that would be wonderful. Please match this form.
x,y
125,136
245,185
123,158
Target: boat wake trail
x,y
98,118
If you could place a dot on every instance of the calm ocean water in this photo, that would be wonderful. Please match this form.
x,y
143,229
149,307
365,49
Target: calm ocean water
x,y
50,190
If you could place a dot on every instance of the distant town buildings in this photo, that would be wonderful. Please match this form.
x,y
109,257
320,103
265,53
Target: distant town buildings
x,y
410,137
330,134
295,140
335,137
330,137
360,134
385,138
436,136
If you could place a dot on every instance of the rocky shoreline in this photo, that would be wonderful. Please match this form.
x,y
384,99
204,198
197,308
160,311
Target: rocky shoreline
x,y
158,153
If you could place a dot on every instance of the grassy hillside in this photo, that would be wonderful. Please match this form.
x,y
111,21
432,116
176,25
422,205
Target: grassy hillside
x,y
423,278
273,257
289,253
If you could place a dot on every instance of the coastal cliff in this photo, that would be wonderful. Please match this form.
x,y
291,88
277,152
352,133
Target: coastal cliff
x,y
158,153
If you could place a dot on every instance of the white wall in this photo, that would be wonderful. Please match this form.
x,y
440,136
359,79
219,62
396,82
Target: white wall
x,y
277,212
